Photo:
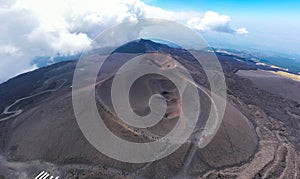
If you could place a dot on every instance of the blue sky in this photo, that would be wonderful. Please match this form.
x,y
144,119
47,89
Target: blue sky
x,y
272,25
233,6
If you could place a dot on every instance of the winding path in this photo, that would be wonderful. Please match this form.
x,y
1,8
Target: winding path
x,y
19,111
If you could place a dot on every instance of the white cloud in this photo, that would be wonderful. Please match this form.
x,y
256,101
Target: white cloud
x,y
212,21
242,31
13,62
9,50
35,28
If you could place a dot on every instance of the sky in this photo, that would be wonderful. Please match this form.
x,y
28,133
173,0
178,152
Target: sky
x,y
31,28
272,24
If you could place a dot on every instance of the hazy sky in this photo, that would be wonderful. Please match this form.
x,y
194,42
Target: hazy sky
x,y
31,28
272,24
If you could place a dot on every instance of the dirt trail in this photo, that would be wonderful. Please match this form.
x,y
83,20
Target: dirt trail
x,y
19,111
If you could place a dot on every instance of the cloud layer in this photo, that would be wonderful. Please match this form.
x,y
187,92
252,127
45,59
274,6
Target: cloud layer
x,y
44,28
212,21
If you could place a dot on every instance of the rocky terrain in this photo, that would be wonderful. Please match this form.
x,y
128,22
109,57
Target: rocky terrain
x,y
258,138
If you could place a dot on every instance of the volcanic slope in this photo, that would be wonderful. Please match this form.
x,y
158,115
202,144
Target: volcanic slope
x,y
258,136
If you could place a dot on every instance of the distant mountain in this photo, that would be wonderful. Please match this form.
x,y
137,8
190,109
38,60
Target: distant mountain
x,y
142,46
170,44
137,46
